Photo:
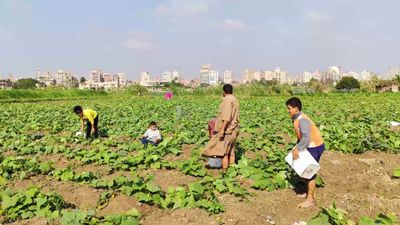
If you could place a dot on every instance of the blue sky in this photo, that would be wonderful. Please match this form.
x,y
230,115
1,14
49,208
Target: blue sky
x,y
132,36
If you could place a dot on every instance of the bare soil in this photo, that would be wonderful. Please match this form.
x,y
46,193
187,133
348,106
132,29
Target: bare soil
x,y
33,221
120,204
116,174
81,196
185,155
60,161
101,170
169,178
361,184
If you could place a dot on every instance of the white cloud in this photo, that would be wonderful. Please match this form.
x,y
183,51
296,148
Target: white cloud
x,y
139,41
183,8
230,24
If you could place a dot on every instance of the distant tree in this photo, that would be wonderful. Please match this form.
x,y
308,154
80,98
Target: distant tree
x,y
329,81
348,83
82,80
25,83
136,90
397,79
315,85
296,83
265,82
74,82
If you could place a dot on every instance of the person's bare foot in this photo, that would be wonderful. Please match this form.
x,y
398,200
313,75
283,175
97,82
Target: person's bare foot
x,y
307,203
304,195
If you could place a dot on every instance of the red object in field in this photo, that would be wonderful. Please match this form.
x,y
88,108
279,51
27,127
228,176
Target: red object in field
x,y
168,96
211,127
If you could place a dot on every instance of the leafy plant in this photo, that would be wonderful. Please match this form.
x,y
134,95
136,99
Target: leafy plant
x,y
397,173
337,216
32,202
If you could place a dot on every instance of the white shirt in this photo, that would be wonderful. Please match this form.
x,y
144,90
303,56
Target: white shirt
x,y
152,135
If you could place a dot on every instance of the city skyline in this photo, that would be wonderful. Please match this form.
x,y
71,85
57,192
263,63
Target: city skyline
x,y
154,36
106,80
240,76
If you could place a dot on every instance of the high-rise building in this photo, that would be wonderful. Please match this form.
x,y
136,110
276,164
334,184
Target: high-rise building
x,y
228,77
145,79
205,74
257,76
46,78
166,76
208,76
38,74
96,76
281,76
64,78
277,74
122,79
248,76
334,73
268,75
176,76
11,77
145,76
317,75
393,71
213,78
366,75
307,76
108,77
104,81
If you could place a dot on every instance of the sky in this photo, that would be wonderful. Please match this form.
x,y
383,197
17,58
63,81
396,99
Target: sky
x,y
132,36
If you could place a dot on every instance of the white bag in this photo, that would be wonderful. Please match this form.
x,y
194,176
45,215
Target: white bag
x,y
305,166
394,123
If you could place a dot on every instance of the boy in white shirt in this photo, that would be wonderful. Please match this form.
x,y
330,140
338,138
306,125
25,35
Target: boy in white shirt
x,y
152,135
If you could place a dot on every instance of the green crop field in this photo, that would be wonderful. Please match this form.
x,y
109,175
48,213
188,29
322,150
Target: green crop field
x,y
39,149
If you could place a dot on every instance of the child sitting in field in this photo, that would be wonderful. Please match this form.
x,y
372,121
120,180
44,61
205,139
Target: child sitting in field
x,y
152,135
308,139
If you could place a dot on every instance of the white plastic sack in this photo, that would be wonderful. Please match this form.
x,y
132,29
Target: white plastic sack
x,y
394,123
305,166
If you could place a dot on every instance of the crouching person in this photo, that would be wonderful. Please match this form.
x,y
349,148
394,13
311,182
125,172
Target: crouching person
x,y
226,130
152,135
91,118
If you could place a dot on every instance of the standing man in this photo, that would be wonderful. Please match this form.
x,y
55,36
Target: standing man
x,y
91,117
227,128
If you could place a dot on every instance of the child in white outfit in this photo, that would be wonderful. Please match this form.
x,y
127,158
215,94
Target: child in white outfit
x,y
152,135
